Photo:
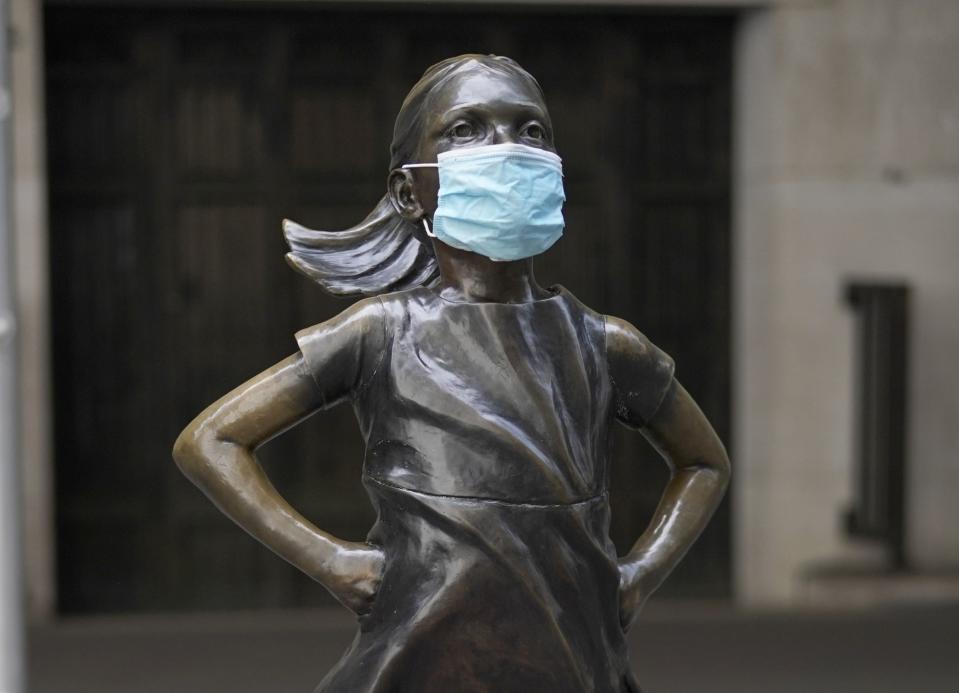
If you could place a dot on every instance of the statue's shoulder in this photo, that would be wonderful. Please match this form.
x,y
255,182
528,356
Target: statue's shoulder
x,y
399,303
592,320
358,321
373,313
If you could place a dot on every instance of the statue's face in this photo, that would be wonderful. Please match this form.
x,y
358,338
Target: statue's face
x,y
479,107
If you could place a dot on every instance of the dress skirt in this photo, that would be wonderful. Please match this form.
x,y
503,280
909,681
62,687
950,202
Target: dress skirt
x,y
484,596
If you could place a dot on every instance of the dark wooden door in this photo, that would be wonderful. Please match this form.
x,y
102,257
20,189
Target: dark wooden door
x,y
178,141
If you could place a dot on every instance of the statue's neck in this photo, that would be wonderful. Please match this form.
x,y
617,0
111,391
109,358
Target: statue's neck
x,y
472,278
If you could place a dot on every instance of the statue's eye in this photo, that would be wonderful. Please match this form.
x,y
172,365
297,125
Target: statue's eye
x,y
535,131
462,130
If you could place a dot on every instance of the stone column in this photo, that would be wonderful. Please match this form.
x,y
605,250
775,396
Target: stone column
x,y
11,602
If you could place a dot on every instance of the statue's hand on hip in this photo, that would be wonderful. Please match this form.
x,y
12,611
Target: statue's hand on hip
x,y
353,576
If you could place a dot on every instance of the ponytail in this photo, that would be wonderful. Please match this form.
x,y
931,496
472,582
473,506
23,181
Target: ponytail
x,y
381,253
377,255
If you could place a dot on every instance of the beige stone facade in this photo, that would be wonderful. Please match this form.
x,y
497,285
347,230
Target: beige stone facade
x,y
848,166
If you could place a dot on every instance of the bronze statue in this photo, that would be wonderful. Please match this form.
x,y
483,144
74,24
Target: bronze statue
x,y
485,401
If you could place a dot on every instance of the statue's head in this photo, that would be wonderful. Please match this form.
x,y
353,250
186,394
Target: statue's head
x,y
460,103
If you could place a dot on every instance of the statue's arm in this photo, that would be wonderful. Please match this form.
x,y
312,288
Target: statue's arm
x,y
698,463
216,451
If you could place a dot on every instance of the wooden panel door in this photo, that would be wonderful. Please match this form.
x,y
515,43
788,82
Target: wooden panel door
x,y
178,141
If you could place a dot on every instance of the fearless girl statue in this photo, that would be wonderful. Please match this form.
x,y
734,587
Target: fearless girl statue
x,y
485,401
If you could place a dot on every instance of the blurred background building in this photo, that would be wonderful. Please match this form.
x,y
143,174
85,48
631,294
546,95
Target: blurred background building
x,y
733,168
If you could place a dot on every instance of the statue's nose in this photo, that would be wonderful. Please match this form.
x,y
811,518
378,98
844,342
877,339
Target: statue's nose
x,y
505,133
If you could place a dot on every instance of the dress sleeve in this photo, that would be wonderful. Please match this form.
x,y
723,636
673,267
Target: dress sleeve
x,y
641,372
343,353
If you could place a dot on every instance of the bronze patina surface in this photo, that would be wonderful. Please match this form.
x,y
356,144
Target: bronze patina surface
x,y
485,401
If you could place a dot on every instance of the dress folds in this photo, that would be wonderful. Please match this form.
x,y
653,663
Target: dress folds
x,y
487,432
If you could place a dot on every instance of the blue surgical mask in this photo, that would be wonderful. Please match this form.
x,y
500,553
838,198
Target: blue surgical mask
x,y
504,201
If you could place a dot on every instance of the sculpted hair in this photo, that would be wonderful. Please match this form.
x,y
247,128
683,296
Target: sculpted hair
x,y
382,253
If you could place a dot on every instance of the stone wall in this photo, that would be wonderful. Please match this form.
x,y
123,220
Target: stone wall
x,y
847,138
29,215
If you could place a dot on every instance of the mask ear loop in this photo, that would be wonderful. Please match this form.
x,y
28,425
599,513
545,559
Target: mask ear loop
x,y
426,226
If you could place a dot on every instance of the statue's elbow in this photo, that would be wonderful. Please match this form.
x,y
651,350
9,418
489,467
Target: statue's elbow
x,y
202,454
187,452
724,470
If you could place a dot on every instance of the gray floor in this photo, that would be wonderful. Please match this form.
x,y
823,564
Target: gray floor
x,y
677,649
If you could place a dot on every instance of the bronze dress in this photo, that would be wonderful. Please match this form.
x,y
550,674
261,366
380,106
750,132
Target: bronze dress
x,y
487,432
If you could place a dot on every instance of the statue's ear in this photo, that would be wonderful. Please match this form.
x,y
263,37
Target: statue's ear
x,y
403,196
